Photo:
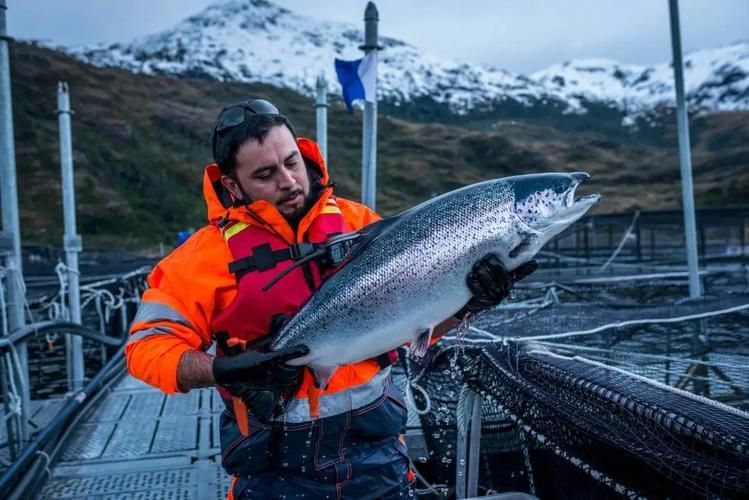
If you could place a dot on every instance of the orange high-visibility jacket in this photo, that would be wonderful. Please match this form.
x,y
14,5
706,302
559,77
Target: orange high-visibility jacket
x,y
193,285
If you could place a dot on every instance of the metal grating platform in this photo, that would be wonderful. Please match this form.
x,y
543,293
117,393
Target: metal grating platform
x,y
42,412
138,443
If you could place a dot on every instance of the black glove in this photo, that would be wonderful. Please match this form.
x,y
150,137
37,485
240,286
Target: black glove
x,y
490,283
252,371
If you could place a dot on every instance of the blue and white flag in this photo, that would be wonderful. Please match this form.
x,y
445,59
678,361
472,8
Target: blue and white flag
x,y
358,79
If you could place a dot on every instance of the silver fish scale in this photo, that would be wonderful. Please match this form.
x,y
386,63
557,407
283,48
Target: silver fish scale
x,y
408,279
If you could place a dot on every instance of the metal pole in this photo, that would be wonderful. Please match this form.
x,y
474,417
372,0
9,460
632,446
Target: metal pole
x,y
369,126
10,423
321,112
474,447
652,243
463,418
9,199
71,240
687,190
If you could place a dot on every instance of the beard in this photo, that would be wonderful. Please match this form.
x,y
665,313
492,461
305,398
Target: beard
x,y
294,216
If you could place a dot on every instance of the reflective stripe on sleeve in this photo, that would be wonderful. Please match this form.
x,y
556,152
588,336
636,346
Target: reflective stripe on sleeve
x,y
339,402
151,312
149,332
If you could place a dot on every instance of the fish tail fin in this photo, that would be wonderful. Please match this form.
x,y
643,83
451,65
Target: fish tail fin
x,y
322,375
420,344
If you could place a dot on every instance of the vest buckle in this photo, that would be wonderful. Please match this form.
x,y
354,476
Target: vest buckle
x,y
300,250
339,247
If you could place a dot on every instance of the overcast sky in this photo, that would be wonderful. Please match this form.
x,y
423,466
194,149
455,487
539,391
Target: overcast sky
x,y
519,35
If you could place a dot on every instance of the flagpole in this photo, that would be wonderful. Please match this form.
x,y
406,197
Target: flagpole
x,y
369,125
321,114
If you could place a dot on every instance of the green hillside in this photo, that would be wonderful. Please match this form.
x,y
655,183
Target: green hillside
x,y
140,144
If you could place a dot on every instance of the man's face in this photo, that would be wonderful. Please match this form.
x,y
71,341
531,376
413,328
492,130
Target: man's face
x,y
273,171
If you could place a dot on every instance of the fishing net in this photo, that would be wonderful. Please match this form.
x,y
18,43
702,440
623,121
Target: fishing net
x,y
695,344
561,426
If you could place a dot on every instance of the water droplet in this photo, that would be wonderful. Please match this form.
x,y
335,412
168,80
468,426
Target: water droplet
x,y
423,460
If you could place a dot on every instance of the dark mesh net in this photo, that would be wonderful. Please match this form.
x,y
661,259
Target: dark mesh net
x,y
580,428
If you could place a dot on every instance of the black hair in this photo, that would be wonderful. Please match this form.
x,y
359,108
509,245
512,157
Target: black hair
x,y
255,127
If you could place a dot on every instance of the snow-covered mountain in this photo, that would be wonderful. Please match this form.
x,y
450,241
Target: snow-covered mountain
x,y
258,41
715,80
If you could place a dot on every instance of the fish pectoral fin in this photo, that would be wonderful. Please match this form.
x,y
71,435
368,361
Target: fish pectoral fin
x,y
420,343
322,375
526,241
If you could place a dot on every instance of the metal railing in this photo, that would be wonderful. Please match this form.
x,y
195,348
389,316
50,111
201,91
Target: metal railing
x,y
651,237
108,306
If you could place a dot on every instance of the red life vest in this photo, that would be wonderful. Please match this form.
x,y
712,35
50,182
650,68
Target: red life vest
x,y
259,256
258,259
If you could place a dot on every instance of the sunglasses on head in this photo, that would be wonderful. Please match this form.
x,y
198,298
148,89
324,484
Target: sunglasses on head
x,y
236,114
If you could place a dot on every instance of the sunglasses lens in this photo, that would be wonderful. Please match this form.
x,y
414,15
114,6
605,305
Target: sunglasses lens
x,y
230,117
262,107
235,115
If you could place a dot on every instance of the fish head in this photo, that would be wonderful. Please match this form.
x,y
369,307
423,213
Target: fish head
x,y
542,206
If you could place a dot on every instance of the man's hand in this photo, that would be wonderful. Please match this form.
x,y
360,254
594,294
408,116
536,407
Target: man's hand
x,y
490,283
252,371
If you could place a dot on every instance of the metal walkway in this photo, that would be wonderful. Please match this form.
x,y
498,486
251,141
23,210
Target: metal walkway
x,y
140,443
42,413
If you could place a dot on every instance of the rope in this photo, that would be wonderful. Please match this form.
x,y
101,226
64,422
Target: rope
x,y
654,383
18,277
627,235
643,356
412,402
17,365
411,384
47,461
635,277
527,463
14,400
430,488
622,324
3,311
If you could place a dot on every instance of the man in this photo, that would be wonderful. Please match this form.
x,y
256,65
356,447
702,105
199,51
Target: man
x,y
267,195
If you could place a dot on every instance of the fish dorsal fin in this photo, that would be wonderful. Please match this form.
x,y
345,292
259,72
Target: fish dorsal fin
x,y
371,233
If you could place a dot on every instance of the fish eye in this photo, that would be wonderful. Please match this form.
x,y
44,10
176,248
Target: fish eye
x,y
560,187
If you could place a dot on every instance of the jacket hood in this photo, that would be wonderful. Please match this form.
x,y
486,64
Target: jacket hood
x,y
220,203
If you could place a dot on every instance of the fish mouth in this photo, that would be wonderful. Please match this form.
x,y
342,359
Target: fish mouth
x,y
558,208
571,208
